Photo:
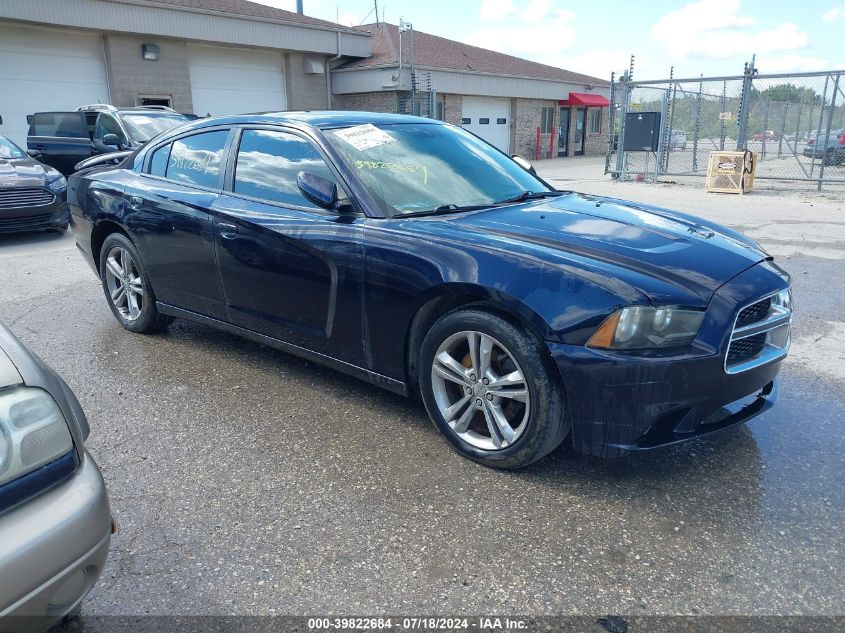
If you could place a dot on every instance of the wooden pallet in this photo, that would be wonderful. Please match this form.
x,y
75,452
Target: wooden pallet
x,y
731,172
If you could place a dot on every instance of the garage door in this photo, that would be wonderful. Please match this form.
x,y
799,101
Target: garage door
x,y
489,118
43,70
236,80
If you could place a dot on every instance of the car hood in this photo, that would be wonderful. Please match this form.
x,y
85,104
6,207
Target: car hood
x,y
684,251
23,172
9,374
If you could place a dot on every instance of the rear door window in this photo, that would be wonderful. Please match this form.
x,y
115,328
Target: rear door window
x,y
197,159
59,124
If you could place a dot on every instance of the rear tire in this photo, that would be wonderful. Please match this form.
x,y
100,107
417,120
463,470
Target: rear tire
x,y
491,389
127,286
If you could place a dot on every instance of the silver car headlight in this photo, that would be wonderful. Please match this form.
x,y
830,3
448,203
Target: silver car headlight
x,y
647,327
33,432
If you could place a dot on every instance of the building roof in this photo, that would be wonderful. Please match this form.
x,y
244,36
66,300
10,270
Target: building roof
x,y
431,51
243,8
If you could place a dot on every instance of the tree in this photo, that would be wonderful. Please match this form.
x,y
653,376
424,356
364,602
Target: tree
x,y
790,93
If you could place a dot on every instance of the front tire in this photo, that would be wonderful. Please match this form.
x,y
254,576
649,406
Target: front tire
x,y
127,286
491,389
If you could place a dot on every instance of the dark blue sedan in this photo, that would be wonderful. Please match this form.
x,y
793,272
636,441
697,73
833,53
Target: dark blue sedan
x,y
411,254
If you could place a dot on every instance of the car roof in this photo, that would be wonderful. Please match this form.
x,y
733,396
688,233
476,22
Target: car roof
x,y
325,119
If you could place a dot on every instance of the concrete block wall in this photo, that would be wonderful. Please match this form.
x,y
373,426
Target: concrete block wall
x,y
130,75
305,91
596,143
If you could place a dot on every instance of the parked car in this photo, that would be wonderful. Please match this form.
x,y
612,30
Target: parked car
x,y
827,147
33,196
55,522
768,135
412,254
62,139
678,139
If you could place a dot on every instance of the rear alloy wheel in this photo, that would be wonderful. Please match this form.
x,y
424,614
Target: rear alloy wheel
x,y
491,389
127,287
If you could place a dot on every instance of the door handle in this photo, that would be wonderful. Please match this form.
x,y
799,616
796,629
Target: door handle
x,y
136,202
227,231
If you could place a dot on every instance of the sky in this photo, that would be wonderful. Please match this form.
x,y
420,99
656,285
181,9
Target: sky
x,y
710,37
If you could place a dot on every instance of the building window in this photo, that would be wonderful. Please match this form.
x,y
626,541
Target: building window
x,y
484,121
595,121
440,115
466,121
501,121
547,117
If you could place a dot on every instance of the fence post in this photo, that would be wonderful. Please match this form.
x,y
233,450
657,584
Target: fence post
x,y
742,135
829,124
819,126
697,124
611,122
624,98
722,122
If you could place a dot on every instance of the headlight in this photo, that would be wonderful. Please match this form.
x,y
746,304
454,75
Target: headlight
x,y
58,184
33,432
645,327
783,300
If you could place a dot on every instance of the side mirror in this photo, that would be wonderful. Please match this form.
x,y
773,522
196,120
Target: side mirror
x,y
34,153
112,140
321,191
519,160
1,119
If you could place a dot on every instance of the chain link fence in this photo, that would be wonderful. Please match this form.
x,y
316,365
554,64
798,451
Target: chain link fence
x,y
795,124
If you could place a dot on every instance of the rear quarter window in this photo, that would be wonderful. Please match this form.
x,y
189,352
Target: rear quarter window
x,y
59,124
196,159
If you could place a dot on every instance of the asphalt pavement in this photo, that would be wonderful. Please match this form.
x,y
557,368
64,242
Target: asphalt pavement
x,y
248,482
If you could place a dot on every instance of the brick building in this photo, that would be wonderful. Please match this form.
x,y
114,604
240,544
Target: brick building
x,y
509,101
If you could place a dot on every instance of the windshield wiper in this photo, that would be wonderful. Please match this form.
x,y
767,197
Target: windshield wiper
x,y
443,210
530,195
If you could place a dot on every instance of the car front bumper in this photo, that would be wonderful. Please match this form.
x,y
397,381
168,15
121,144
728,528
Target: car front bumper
x,y
622,402
52,551
55,215
619,407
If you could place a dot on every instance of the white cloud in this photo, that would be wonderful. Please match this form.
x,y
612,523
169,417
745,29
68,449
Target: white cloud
x,y
834,14
714,29
791,63
537,29
496,9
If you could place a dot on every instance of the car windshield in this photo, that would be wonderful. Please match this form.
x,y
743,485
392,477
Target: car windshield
x,y
143,127
421,167
9,150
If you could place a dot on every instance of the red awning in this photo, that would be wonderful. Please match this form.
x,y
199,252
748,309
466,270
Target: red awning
x,y
583,99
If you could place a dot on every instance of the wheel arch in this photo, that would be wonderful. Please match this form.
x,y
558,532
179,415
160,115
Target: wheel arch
x,y
102,230
451,297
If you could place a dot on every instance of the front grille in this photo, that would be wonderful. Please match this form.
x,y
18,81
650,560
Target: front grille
x,y
25,197
29,223
753,313
761,335
746,348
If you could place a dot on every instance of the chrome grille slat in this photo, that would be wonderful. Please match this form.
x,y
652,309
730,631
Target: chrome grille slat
x,y
25,197
760,335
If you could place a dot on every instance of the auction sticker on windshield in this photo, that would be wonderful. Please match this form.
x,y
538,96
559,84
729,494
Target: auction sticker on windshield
x,y
363,137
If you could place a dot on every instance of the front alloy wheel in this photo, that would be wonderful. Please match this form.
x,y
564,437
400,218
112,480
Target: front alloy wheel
x,y
480,390
123,280
491,388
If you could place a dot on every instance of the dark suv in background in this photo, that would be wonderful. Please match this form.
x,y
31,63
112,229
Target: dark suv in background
x,y
62,139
